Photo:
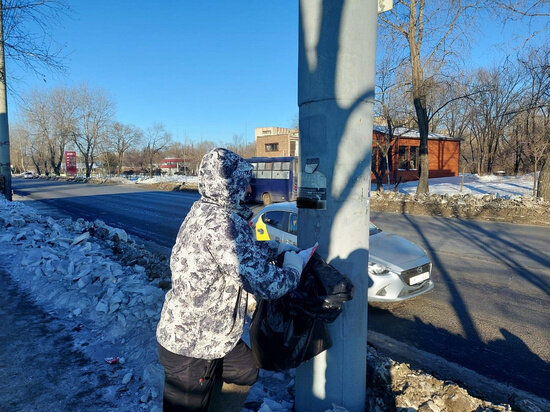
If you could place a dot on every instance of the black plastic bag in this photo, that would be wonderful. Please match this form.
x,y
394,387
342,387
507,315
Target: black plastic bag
x,y
292,329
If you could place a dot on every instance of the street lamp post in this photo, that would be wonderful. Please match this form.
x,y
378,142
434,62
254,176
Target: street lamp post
x,y
5,165
336,70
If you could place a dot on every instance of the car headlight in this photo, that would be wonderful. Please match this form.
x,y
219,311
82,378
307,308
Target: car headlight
x,y
378,269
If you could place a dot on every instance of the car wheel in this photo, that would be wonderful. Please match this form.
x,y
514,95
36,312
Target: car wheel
x,y
266,199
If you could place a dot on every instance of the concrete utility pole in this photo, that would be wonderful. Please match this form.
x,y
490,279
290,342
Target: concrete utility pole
x,y
336,71
5,169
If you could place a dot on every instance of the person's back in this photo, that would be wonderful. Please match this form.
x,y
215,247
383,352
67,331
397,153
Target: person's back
x,y
214,262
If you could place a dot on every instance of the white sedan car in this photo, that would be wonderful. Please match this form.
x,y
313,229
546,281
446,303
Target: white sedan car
x,y
28,175
398,269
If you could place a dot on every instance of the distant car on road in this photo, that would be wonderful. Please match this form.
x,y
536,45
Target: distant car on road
x,y
28,175
398,269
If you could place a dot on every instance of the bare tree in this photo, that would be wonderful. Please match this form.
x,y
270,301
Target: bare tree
x,y
455,118
109,162
50,117
24,27
543,184
295,122
391,111
156,140
196,153
27,40
515,146
63,120
491,113
248,150
135,160
430,30
38,153
535,111
529,11
123,137
538,144
240,146
19,147
37,115
94,113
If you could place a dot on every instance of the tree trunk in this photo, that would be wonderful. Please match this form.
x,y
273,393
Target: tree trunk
x,y
387,157
543,187
120,159
107,162
422,115
517,160
535,177
89,166
479,166
462,178
23,167
379,183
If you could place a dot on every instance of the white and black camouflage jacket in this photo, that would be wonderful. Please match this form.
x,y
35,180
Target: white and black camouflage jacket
x,y
214,258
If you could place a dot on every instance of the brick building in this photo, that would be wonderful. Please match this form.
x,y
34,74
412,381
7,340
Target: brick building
x,y
443,154
276,141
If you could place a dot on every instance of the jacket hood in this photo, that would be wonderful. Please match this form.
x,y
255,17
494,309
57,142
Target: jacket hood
x,y
223,179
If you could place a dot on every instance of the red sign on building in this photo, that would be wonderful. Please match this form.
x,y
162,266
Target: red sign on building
x,y
70,163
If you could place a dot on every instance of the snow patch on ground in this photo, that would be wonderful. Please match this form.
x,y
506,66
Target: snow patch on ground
x,y
164,179
503,186
475,185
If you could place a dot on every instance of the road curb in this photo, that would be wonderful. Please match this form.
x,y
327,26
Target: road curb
x,y
476,384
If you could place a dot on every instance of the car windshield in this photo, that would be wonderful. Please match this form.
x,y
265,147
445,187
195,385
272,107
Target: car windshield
x,y
373,229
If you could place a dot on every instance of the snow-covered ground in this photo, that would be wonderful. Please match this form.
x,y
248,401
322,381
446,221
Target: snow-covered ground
x,y
152,180
98,283
162,179
503,186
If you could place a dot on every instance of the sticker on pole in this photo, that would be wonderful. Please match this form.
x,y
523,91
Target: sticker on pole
x,y
312,193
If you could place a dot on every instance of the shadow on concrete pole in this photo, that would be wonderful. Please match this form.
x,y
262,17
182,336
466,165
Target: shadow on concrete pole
x,y
336,71
5,169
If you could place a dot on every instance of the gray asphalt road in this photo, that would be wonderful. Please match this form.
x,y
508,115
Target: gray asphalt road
x,y
152,215
490,309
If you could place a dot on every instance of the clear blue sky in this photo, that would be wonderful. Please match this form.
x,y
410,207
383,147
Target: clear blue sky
x,y
206,69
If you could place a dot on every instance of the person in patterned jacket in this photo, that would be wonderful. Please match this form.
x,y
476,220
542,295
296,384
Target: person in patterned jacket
x,y
215,262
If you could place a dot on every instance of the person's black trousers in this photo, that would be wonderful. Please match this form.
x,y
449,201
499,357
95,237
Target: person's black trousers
x,y
188,382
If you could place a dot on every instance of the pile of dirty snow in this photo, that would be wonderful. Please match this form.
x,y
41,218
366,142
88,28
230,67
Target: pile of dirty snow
x,y
493,207
97,277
